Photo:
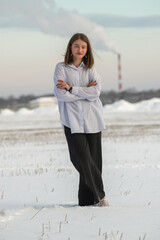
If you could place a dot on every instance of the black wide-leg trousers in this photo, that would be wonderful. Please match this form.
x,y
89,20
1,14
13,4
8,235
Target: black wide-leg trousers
x,y
86,155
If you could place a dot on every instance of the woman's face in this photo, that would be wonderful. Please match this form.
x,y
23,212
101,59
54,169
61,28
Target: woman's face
x,y
78,49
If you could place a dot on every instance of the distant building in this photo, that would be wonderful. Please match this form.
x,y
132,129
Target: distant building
x,y
43,102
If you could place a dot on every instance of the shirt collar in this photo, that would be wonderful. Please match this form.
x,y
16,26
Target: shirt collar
x,y
80,66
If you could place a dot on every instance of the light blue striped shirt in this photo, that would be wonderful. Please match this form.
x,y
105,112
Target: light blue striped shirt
x,y
81,110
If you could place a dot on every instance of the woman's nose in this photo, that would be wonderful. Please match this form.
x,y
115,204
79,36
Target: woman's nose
x,y
79,49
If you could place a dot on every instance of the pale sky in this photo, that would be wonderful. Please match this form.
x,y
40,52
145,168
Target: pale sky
x,y
34,36
115,7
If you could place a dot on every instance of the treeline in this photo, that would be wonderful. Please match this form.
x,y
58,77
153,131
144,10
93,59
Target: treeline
x,y
130,96
15,103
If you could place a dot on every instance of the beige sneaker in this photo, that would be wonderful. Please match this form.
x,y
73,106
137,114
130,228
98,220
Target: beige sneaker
x,y
103,202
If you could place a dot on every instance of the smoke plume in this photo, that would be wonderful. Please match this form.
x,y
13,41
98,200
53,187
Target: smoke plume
x,y
44,16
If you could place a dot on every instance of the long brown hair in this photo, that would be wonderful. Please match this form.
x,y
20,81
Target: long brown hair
x,y
88,59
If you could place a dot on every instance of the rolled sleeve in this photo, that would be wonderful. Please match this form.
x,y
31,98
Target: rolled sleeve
x,y
89,93
75,90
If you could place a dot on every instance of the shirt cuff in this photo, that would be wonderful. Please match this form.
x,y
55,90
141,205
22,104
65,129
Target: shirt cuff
x,y
75,90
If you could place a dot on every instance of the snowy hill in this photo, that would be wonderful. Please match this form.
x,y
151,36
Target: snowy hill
x,y
152,105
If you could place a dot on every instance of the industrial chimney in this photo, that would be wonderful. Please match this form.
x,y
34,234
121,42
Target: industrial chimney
x,y
120,88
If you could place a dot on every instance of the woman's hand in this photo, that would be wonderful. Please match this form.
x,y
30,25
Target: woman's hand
x,y
92,83
62,84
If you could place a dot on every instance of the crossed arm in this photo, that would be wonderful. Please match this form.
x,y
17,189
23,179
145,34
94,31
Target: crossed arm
x,y
90,93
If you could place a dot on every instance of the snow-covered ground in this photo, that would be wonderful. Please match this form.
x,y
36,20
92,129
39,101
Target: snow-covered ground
x,y
39,185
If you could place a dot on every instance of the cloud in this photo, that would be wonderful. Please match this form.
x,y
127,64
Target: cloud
x,y
106,20
44,16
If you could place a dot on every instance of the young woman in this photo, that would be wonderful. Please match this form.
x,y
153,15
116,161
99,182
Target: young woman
x,y
77,88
